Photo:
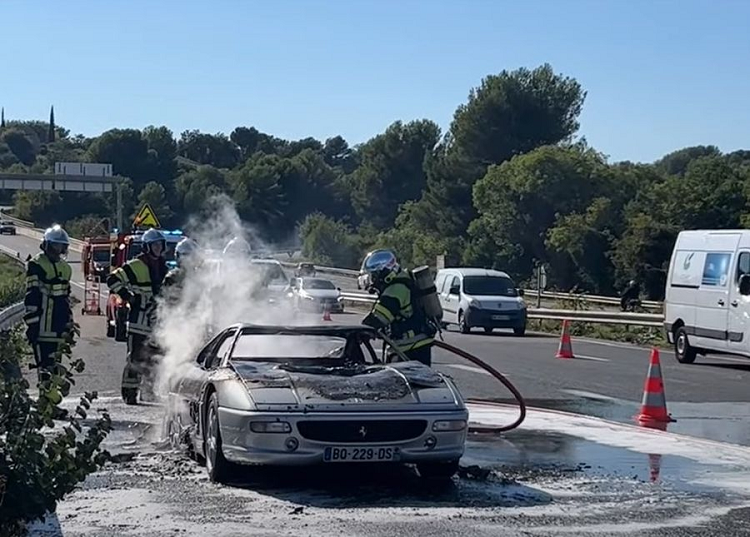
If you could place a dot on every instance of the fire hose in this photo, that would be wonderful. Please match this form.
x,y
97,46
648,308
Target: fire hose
x,y
486,367
498,376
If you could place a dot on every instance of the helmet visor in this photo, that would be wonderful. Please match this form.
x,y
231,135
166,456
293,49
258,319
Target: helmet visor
x,y
57,248
380,260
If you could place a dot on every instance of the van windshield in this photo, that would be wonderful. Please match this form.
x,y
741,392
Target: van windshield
x,y
489,286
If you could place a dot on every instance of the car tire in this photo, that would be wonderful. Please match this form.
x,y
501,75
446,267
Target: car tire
x,y
463,324
488,329
219,469
110,330
683,351
437,470
519,331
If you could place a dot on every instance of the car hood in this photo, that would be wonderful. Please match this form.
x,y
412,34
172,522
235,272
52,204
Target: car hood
x,y
304,387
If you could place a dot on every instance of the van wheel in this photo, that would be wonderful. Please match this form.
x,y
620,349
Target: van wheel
x,y
463,325
684,353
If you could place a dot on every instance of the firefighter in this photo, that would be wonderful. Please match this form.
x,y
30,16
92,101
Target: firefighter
x,y
186,256
630,298
397,310
48,313
138,283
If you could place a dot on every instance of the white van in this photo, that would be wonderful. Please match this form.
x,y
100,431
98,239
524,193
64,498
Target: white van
x,y
707,299
473,297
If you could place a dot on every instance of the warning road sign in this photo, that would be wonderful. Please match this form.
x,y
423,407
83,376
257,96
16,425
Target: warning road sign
x,y
146,217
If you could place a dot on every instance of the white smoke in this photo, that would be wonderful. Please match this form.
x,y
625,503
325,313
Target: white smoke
x,y
217,292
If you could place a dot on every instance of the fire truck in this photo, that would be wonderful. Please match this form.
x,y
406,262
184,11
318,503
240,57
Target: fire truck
x,y
128,246
96,257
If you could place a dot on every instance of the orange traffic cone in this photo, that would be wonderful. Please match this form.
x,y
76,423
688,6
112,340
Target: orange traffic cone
x,y
654,404
326,313
565,350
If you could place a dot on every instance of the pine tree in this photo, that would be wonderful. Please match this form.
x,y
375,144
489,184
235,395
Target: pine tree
x,y
2,118
51,133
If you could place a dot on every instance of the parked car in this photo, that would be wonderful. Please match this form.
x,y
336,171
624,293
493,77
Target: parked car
x,y
473,297
7,227
270,395
315,294
707,296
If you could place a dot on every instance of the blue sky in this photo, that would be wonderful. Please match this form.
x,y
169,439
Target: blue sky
x,y
660,75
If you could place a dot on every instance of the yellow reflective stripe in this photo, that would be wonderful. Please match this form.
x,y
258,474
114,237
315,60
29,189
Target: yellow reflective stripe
x,y
383,313
412,345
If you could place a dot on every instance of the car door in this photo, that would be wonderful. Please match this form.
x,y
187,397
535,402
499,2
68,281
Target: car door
x,y
739,308
451,299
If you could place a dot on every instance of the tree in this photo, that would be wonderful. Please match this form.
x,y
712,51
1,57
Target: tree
x,y
127,151
214,149
677,162
514,112
194,188
520,200
508,114
19,145
51,129
392,171
329,242
156,196
7,158
338,154
162,149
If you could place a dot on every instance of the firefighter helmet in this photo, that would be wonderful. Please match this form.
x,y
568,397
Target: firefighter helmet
x,y
185,248
56,235
379,265
151,237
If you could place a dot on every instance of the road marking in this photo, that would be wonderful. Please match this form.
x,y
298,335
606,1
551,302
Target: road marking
x,y
591,358
596,396
465,368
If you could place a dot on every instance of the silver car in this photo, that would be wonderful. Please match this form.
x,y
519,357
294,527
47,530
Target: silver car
x,y
270,395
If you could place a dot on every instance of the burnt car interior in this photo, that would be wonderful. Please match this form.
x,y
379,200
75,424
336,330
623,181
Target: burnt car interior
x,y
299,348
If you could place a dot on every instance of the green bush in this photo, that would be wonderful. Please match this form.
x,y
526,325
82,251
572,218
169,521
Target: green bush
x,y
40,463
12,286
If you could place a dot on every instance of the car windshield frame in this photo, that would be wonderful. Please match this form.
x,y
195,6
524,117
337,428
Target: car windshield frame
x,y
472,286
307,281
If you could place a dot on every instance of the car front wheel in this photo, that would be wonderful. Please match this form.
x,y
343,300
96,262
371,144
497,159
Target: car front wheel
x,y
437,470
520,331
683,351
219,469
463,324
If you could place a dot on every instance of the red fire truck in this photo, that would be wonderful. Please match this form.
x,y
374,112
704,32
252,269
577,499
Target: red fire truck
x,y
127,246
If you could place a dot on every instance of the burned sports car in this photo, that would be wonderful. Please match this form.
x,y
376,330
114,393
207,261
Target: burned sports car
x,y
273,395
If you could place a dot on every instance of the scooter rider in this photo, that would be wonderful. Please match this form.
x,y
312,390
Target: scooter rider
x,y
138,282
48,313
397,309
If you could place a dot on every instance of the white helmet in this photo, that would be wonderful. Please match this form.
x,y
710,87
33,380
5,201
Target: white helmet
x,y
56,235
185,248
150,237
237,247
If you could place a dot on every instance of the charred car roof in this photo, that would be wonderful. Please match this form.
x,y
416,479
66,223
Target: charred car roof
x,y
344,331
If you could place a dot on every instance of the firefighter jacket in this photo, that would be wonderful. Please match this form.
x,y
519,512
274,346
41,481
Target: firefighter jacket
x,y
397,312
139,282
47,301
172,287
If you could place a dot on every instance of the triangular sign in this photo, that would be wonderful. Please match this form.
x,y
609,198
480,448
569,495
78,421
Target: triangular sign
x,y
146,217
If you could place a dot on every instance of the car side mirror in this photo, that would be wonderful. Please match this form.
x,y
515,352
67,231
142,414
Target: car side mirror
x,y
338,288
521,292
455,290
745,285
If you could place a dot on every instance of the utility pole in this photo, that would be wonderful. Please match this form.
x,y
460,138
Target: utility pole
x,y
119,208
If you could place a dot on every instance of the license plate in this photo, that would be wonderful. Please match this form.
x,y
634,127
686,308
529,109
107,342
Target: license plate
x,y
360,454
500,317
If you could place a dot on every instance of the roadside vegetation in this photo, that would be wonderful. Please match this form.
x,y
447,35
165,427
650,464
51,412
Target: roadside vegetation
x,y
41,460
510,185
12,286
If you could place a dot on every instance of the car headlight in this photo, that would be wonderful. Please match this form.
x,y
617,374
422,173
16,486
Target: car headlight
x,y
475,303
444,426
270,427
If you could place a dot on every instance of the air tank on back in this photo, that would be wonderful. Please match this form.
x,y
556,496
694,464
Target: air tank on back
x,y
427,292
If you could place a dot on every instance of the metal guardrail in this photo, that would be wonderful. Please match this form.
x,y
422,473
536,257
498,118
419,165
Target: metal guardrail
x,y
587,316
551,295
